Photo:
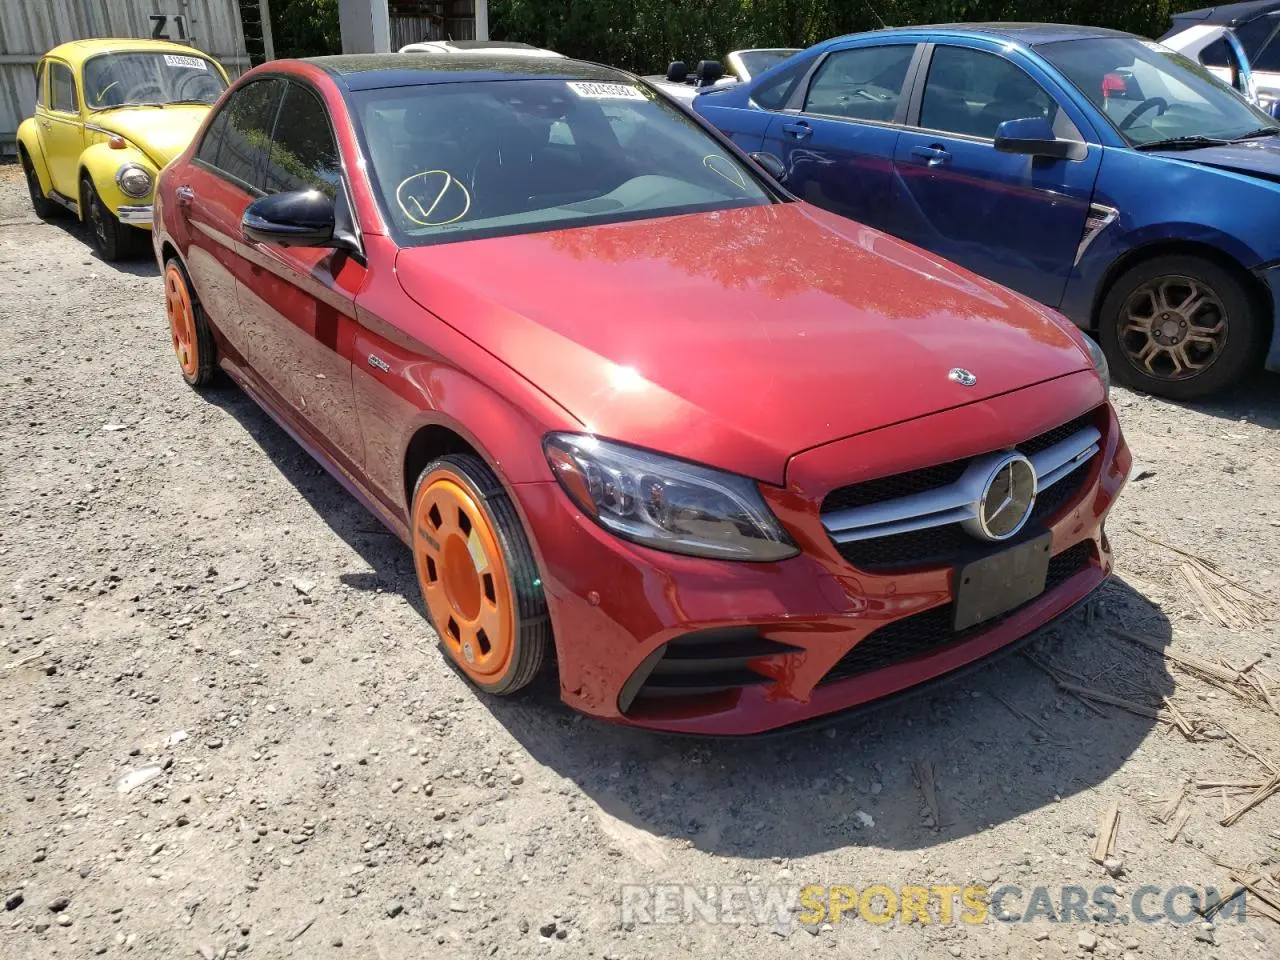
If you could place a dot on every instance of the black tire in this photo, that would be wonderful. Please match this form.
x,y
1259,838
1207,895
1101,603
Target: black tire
x,y
532,637
45,208
1245,324
206,366
112,239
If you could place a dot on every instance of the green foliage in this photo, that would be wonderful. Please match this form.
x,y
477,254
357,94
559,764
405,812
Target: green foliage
x,y
644,35
305,28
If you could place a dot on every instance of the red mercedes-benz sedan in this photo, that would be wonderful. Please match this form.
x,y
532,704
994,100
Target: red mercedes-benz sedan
x,y
742,462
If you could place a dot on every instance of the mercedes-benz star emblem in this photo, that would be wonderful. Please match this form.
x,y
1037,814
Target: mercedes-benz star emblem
x,y
962,376
1008,498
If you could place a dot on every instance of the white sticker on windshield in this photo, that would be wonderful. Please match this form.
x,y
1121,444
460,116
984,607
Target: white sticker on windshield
x,y
605,91
192,63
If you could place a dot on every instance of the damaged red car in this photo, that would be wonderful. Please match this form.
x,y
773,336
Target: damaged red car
x,y
721,460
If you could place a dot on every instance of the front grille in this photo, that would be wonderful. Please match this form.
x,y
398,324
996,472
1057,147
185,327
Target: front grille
x,y
948,545
931,630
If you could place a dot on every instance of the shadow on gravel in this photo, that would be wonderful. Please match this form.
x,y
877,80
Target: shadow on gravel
x,y
1257,400
798,793
141,266
795,794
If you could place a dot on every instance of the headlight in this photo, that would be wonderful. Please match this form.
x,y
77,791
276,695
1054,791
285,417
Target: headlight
x,y
133,180
1099,362
667,504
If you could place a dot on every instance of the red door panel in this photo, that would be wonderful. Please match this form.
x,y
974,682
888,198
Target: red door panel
x,y
300,303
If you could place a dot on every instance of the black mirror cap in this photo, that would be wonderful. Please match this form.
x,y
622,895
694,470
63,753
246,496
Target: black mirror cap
x,y
1034,137
708,72
299,218
770,164
677,71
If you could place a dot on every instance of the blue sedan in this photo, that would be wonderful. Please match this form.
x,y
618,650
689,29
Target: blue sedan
x,y
1096,172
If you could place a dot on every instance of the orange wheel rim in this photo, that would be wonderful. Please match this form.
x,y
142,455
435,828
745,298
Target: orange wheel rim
x,y
182,324
463,575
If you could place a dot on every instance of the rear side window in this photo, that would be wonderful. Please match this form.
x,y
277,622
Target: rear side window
x,y
303,152
864,83
775,93
240,135
62,89
41,100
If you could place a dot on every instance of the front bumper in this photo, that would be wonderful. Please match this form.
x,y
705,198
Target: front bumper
x,y
616,607
135,216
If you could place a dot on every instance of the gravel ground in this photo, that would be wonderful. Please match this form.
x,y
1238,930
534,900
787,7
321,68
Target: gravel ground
x,y
186,596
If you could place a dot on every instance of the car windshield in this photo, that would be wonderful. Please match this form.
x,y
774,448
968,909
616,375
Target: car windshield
x,y
149,79
455,161
1151,94
757,62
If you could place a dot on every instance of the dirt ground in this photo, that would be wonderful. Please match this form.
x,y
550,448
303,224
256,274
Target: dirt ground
x,y
185,595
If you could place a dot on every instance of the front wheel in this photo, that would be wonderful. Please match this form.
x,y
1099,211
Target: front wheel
x,y
478,577
112,239
1181,327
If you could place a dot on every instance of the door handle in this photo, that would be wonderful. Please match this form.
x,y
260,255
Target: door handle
x,y
798,130
934,154
184,195
45,124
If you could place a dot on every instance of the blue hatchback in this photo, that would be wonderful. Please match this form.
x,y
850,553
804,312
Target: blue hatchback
x,y
1096,172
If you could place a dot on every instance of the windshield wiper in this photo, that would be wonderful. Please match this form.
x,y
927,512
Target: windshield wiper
x,y
1182,143
1254,134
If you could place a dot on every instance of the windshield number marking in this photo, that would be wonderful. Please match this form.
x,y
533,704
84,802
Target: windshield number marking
x,y
605,91
191,63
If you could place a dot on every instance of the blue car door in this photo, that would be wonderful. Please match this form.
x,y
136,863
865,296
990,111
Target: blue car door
x,y
1014,218
837,138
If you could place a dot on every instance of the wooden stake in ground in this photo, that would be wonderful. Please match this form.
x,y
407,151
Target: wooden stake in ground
x,y
1269,788
1108,826
923,771
1176,826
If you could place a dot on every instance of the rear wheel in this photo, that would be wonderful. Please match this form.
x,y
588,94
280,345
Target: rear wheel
x,y
188,329
1181,327
477,574
45,208
112,239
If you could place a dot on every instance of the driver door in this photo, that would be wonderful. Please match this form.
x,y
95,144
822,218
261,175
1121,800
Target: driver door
x,y
61,132
1013,218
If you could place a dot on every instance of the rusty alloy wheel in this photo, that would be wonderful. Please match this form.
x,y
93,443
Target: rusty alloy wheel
x,y
1173,327
477,574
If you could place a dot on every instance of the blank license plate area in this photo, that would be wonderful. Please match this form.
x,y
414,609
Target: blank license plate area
x,y
994,585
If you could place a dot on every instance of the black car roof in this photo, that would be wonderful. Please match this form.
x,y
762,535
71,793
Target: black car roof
x,y
1229,14
369,71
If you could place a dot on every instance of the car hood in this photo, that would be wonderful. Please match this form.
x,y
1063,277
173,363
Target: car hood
x,y
1259,158
160,132
738,338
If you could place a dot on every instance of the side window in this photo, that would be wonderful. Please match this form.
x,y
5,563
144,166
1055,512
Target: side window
x,y
62,89
776,91
970,92
303,152
1216,54
241,133
864,83
41,99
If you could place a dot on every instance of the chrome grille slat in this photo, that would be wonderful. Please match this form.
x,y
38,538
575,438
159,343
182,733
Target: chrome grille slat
x,y
958,501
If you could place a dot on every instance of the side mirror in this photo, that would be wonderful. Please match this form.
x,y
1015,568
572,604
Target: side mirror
x,y
708,72
770,164
1034,137
677,71
299,218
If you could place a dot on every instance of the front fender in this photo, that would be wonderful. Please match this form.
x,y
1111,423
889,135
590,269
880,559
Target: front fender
x,y
101,162
29,140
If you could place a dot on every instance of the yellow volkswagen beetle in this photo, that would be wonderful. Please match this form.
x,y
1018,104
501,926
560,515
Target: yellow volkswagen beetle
x,y
109,115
